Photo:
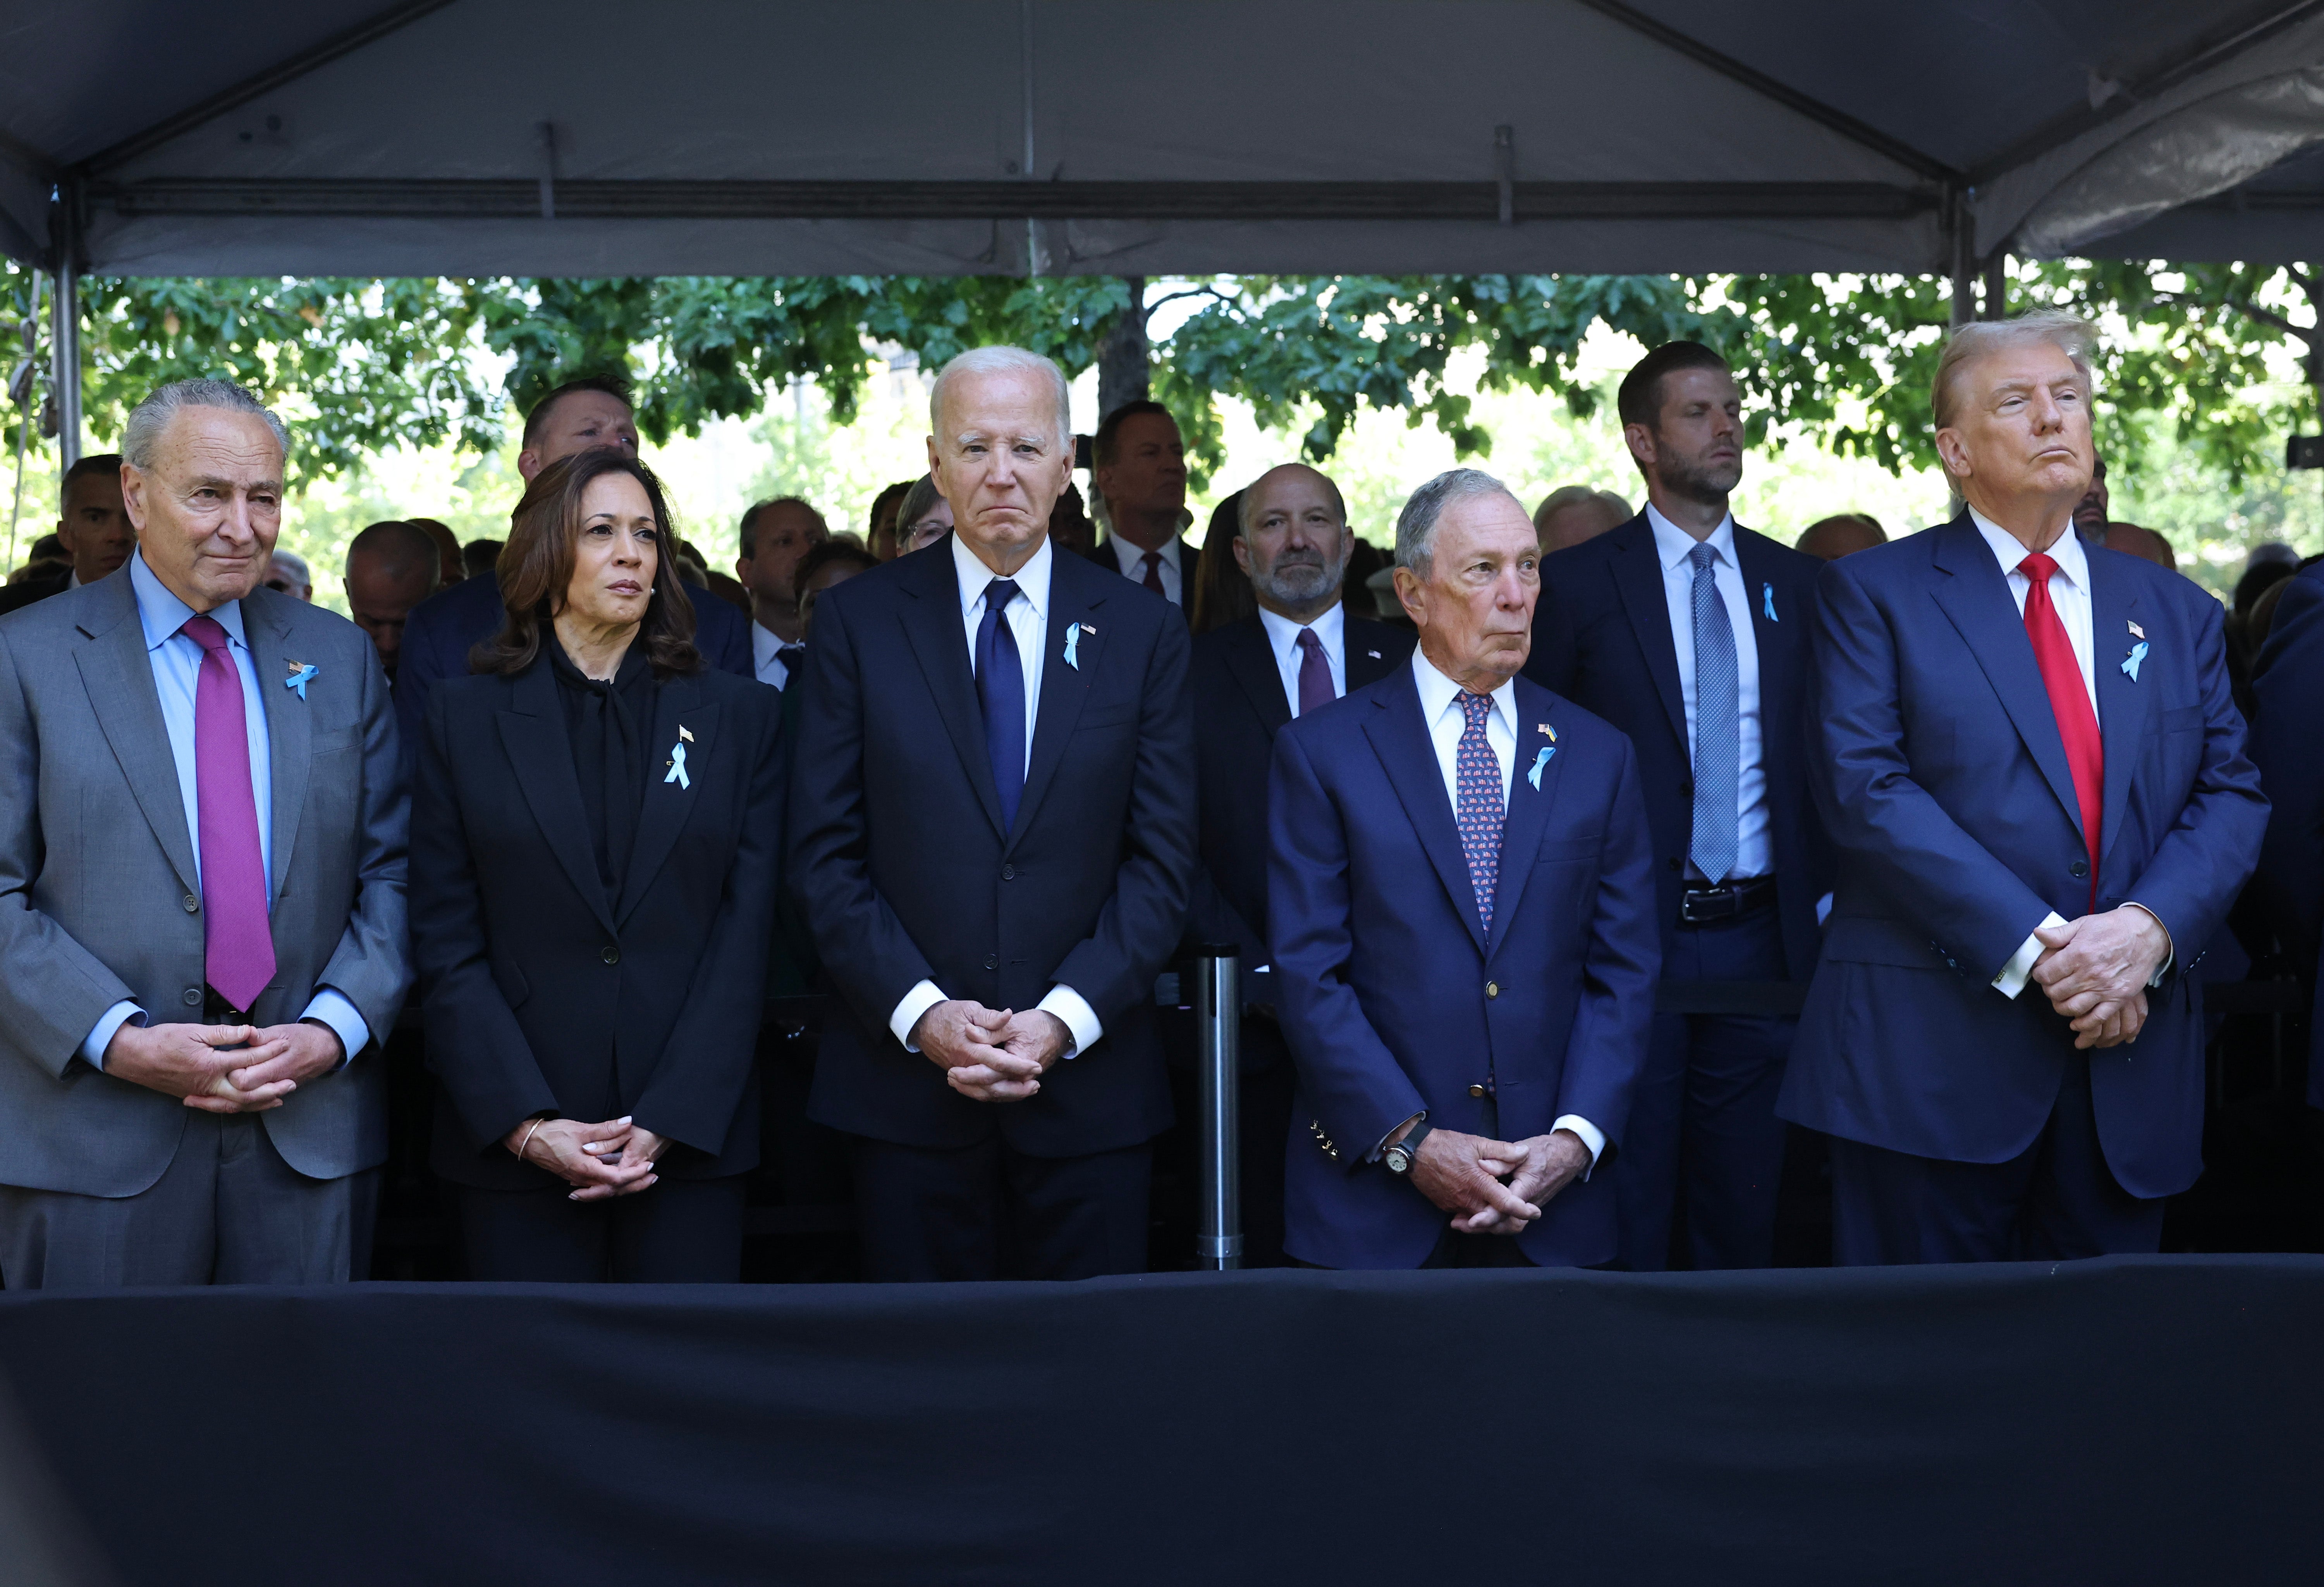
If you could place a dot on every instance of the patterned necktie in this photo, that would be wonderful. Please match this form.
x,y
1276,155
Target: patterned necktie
x,y
1717,726
1480,809
2070,701
237,944
1001,690
1316,690
1153,579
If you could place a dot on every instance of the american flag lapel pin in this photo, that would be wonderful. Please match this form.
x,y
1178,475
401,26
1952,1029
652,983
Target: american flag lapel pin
x,y
2136,631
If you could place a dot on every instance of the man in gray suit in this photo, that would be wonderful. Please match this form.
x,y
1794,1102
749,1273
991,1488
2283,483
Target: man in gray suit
x,y
201,893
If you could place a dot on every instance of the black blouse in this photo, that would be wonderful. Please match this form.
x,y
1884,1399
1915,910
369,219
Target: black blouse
x,y
606,724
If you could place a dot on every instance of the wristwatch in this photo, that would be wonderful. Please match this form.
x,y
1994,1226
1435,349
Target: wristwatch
x,y
1400,1156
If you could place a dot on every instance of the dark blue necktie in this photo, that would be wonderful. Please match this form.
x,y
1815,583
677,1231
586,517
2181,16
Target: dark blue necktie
x,y
1001,691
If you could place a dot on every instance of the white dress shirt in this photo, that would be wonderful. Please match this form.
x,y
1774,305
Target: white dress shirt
x,y
1132,556
1027,617
1439,709
1331,631
764,662
177,665
1754,850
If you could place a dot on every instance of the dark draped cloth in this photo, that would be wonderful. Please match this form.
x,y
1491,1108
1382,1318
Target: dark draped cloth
x,y
606,723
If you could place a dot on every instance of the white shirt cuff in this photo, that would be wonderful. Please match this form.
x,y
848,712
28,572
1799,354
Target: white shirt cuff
x,y
2012,978
1592,1136
916,1001
1080,1019
100,1035
333,1009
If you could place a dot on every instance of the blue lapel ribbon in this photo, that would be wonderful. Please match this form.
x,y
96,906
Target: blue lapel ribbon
x,y
678,767
2130,662
302,673
1767,602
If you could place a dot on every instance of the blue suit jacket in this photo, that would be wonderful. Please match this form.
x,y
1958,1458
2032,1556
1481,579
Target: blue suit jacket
x,y
1602,637
2288,684
1945,785
1393,1001
445,627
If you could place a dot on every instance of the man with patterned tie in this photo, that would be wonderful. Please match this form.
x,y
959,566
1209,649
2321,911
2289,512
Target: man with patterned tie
x,y
993,830
1689,632
1250,679
1460,910
1138,465
201,893
2035,773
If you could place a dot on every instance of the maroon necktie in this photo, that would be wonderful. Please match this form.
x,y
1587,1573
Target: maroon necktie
x,y
1153,580
1315,674
2070,702
237,945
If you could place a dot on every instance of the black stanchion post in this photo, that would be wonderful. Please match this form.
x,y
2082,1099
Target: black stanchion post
x,y
1218,1010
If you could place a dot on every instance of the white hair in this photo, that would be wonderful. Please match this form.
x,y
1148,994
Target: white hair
x,y
1415,526
1002,361
150,417
2071,333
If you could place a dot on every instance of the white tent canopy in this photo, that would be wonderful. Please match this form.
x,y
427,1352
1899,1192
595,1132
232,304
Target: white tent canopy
x,y
1148,137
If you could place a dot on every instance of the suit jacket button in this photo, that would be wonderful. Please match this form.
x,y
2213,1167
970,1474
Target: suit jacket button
x,y
2079,869
193,997
612,956
192,903
1009,873
993,961
1476,1091
1492,988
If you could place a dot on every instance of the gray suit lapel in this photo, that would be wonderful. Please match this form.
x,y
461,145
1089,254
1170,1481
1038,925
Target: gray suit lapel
x,y
119,678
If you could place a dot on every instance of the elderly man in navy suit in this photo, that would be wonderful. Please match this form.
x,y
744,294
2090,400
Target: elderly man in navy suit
x,y
2035,776
1462,909
1689,632
992,829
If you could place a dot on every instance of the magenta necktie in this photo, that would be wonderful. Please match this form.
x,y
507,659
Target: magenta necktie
x,y
1315,674
237,945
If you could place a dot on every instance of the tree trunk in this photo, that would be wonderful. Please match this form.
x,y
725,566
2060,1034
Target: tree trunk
x,y
1122,358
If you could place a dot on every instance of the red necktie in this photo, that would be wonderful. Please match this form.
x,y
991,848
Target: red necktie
x,y
1154,571
2070,702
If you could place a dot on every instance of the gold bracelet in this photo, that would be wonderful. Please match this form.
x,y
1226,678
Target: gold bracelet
x,y
527,1141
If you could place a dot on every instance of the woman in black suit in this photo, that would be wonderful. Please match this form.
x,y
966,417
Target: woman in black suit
x,y
594,829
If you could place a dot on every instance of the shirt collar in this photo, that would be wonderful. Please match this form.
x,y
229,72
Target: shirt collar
x,y
1032,579
1437,692
763,645
2010,551
1130,557
1672,543
1282,635
162,615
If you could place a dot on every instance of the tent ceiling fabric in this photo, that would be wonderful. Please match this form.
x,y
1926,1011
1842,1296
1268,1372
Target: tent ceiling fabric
x,y
367,137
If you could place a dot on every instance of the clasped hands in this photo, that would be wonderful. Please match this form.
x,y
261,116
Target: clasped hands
x,y
2096,970
990,1055
600,1161
1496,1186
223,1068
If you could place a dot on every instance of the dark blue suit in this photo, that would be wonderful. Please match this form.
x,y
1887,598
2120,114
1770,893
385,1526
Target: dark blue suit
x,y
1704,1113
900,861
445,627
2288,686
1945,785
1394,1002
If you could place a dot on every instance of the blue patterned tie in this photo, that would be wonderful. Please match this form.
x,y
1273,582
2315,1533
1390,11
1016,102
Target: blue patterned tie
x,y
1001,690
1480,808
1718,726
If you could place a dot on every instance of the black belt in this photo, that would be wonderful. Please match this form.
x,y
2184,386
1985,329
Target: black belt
x,y
1729,900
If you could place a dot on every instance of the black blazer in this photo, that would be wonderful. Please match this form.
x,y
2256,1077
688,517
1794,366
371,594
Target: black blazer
x,y
15,597
539,994
1240,707
899,858
1602,637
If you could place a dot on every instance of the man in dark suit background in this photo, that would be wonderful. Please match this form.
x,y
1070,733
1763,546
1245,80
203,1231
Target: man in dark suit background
x,y
1137,464
2034,771
1461,908
592,411
1248,680
2288,691
992,834
1689,632
93,526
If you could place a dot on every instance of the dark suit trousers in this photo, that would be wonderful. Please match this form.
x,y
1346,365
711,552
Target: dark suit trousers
x,y
681,1232
989,1210
228,1210
2056,1199
1704,1150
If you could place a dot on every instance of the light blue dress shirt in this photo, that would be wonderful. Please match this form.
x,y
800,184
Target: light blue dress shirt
x,y
177,663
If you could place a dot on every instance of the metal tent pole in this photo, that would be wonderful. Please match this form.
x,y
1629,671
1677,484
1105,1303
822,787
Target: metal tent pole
x,y
64,331
1218,1012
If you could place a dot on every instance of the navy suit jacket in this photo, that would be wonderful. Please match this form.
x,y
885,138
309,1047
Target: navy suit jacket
x,y
445,627
1945,785
899,860
2288,686
1394,1002
1602,637
1240,707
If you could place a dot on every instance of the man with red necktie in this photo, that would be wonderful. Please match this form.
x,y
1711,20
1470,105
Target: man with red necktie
x,y
201,893
2035,774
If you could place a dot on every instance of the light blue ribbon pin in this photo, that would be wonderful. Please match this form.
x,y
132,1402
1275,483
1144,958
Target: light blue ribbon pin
x,y
1539,761
302,673
678,767
2130,662
1073,645
1767,602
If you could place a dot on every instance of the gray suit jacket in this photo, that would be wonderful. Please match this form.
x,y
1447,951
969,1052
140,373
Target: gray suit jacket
x,y
98,896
